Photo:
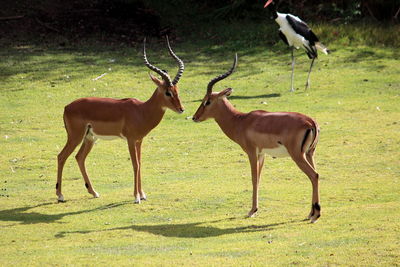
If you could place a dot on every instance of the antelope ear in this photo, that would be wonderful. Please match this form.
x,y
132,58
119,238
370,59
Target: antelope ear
x,y
226,92
157,81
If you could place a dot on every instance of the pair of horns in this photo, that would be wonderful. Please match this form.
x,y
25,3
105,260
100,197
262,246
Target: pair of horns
x,y
222,76
163,73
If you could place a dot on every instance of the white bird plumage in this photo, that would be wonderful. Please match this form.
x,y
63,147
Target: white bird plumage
x,y
296,34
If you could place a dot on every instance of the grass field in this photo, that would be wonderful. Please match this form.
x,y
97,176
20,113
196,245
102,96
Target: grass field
x,y
197,181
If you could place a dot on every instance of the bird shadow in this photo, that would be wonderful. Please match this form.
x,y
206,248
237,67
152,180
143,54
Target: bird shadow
x,y
248,97
255,96
189,230
369,55
23,215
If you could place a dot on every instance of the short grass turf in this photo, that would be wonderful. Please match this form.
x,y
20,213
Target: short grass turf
x,y
197,181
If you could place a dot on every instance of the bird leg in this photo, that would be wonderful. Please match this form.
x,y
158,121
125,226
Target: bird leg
x,y
293,62
309,72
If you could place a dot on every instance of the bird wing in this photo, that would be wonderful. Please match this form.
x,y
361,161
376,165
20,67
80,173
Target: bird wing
x,y
301,28
283,37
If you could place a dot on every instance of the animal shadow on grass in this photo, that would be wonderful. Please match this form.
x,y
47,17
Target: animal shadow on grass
x,y
248,97
255,96
189,230
23,216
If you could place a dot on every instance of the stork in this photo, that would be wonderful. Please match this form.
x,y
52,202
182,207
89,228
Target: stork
x,y
296,33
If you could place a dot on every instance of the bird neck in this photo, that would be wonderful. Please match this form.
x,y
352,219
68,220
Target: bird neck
x,y
272,9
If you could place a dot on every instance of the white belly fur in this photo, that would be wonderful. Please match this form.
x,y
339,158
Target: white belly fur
x,y
277,152
93,136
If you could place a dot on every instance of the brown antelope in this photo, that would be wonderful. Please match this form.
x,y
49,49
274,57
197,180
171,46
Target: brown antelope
x,y
90,118
259,132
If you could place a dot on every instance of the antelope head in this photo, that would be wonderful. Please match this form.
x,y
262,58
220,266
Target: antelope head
x,y
212,100
167,87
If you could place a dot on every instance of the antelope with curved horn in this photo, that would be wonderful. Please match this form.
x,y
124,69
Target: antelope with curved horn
x,y
279,134
90,118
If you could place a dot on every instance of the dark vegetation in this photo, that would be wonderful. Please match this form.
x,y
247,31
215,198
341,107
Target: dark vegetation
x,y
128,21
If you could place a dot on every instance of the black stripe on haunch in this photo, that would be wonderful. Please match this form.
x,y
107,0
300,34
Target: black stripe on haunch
x,y
305,138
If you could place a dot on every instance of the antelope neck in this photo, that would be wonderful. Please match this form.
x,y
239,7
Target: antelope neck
x,y
227,118
153,110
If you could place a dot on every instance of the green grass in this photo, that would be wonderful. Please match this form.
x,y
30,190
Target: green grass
x,y
197,181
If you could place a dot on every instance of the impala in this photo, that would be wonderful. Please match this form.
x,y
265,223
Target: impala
x,y
259,132
90,118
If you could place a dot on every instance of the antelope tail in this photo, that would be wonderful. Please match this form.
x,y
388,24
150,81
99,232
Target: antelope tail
x,y
315,130
310,139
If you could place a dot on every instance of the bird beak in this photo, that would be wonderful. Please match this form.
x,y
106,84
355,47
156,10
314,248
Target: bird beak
x,y
267,3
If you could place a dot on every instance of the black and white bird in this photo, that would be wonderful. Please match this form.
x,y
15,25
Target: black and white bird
x,y
296,33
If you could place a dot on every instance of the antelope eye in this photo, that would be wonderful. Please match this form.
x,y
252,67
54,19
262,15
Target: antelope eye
x,y
168,93
208,102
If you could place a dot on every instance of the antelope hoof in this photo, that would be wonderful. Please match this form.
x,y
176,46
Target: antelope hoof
x,y
95,194
137,200
143,196
60,198
310,215
314,219
315,213
252,213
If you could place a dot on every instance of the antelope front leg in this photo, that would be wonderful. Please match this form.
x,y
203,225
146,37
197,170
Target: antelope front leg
x,y
139,156
136,169
256,165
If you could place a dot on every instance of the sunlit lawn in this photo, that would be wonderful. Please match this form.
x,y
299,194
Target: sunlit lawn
x,y
197,181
